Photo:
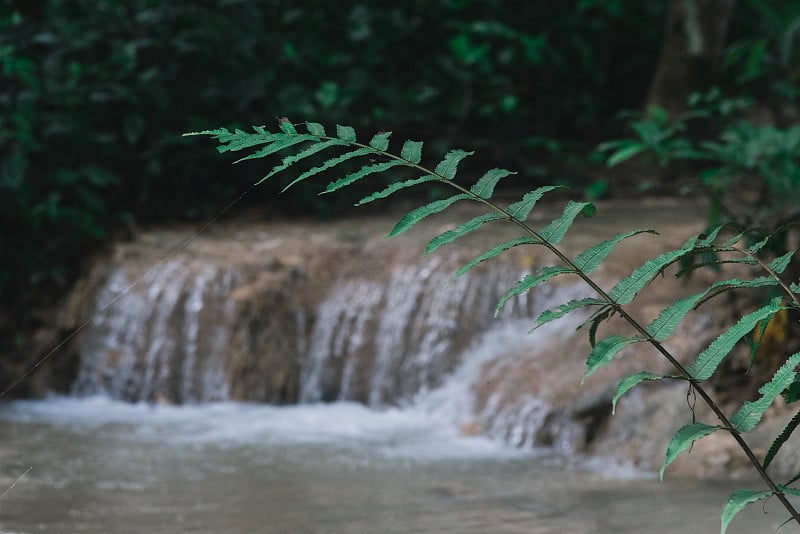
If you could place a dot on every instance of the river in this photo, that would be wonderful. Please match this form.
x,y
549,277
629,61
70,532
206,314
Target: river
x,y
101,466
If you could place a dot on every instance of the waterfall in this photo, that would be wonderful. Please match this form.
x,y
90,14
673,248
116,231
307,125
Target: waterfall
x,y
193,331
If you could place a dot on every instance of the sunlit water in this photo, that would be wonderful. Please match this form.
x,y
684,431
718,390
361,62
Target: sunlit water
x,y
99,466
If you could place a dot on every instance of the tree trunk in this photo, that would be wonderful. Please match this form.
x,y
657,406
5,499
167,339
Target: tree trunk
x,y
694,37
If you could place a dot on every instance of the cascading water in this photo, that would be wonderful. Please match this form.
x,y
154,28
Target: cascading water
x,y
199,329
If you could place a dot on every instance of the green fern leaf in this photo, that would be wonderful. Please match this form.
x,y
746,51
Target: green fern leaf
x,y
279,144
557,229
706,239
530,281
782,438
520,210
294,158
596,319
412,151
362,173
628,383
661,328
736,503
683,439
451,235
357,153
413,217
663,325
396,186
626,289
315,128
708,360
346,133
791,491
780,263
448,166
560,311
605,350
287,127
792,393
484,187
495,251
794,287
749,415
588,260
380,141
624,154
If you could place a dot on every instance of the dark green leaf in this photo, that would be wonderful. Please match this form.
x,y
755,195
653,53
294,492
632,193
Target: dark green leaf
x,y
484,187
628,383
495,251
448,166
683,439
451,235
412,151
413,217
560,311
396,186
782,438
588,260
736,503
557,229
346,133
605,350
749,415
627,288
520,210
362,173
380,141
530,281
708,360
315,128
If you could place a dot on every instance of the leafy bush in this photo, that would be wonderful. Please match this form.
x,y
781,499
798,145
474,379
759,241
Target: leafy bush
x,y
725,245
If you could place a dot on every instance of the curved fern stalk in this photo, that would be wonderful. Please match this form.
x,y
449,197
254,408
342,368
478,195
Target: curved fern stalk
x,y
610,303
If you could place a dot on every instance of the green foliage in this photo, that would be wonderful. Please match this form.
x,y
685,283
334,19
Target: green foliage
x,y
724,247
751,172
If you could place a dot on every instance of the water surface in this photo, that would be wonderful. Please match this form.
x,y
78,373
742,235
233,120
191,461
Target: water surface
x,y
99,466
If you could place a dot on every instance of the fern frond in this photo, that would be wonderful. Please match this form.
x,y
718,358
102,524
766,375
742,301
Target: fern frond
x,y
451,235
380,141
329,164
448,166
605,350
414,216
494,252
397,186
629,382
563,309
484,187
412,151
624,291
708,360
346,133
748,416
281,143
315,128
557,229
736,503
530,281
294,158
782,438
363,172
663,325
780,263
520,210
588,260
596,320
683,439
